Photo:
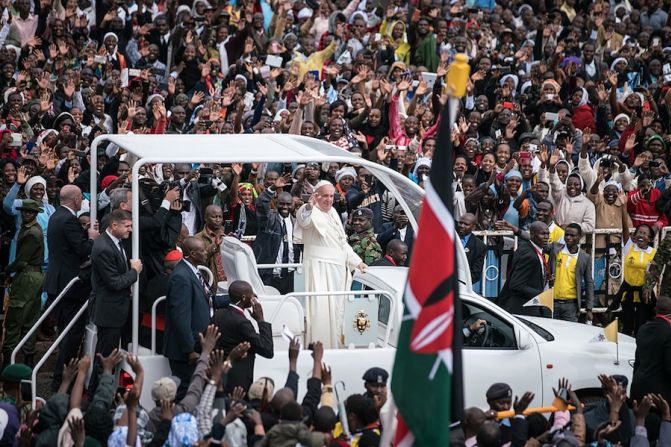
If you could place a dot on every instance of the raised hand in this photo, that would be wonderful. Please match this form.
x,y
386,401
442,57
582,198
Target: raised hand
x,y
110,361
208,340
239,352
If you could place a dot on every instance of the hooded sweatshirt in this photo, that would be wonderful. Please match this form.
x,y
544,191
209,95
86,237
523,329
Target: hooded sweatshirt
x,y
576,209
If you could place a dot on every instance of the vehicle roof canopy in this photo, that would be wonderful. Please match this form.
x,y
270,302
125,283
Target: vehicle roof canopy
x,y
257,148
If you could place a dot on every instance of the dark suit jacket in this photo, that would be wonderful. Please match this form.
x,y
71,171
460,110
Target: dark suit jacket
x,y
390,232
383,262
652,366
188,313
69,247
111,279
526,279
269,238
476,250
235,329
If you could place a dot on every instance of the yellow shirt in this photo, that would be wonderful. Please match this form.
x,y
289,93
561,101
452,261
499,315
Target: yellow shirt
x,y
636,263
556,233
565,285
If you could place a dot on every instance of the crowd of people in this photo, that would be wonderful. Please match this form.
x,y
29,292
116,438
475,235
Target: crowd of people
x,y
564,132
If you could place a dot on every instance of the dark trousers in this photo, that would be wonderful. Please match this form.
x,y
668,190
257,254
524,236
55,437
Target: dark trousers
x,y
70,346
183,371
635,315
566,310
108,340
283,284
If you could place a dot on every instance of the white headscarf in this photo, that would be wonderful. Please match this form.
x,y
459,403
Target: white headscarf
x,y
344,172
36,180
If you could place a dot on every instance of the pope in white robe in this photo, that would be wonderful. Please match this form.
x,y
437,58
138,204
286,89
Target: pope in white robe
x,y
327,261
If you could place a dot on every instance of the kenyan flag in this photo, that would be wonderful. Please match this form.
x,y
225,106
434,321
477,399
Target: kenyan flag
x,y
427,375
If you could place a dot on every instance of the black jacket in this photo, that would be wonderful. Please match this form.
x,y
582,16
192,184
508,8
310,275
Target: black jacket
x,y
269,237
652,366
390,232
187,313
476,250
235,328
69,247
111,280
526,279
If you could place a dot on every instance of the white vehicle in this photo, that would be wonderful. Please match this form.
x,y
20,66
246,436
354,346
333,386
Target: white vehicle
x,y
528,353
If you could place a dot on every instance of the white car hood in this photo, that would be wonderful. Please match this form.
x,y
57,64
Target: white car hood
x,y
567,331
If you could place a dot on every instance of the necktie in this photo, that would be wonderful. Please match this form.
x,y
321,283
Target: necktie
x,y
546,270
123,253
206,289
285,249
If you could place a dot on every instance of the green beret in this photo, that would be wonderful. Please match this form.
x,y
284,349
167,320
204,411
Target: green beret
x,y
16,373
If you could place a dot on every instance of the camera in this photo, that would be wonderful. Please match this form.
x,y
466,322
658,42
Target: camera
x,y
653,164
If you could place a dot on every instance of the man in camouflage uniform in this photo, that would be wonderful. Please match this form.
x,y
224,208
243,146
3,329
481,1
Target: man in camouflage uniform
x,y
662,258
363,241
24,297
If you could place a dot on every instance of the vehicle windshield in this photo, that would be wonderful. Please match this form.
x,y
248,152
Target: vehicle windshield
x,y
547,336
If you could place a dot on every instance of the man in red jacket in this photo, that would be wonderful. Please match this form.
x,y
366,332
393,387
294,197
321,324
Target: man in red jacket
x,y
641,204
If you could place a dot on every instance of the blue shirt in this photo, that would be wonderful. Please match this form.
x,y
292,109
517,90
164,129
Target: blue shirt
x,y
465,239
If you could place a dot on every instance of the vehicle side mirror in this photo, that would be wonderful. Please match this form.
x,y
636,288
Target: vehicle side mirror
x,y
524,340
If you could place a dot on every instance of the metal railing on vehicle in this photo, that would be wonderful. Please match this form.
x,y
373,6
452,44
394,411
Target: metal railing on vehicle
x,y
43,317
52,348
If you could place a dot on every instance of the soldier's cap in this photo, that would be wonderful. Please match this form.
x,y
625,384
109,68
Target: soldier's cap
x,y
30,205
16,372
366,213
376,375
499,391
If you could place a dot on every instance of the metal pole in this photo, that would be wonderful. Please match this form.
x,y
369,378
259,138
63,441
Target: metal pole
x,y
93,201
136,252
153,323
52,348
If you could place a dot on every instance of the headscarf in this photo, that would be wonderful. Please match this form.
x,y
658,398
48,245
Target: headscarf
x,y
344,172
515,79
247,186
585,97
110,34
629,93
513,173
613,183
32,181
622,116
553,83
183,431
617,61
575,174
422,161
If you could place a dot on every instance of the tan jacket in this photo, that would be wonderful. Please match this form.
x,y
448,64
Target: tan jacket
x,y
609,216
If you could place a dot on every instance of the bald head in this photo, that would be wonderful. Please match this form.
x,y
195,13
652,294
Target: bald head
x,y
71,196
191,244
539,233
663,305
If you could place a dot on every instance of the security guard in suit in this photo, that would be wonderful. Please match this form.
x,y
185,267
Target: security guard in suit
x,y
363,241
24,298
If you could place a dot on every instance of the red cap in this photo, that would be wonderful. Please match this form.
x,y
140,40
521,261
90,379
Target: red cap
x,y
108,181
174,255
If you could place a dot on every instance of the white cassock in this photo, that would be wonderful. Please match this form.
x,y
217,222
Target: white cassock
x,y
327,261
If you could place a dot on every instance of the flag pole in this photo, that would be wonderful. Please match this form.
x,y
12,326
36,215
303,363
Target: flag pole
x,y
617,347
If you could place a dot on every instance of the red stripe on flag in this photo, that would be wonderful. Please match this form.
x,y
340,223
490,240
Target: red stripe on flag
x,y
432,330
404,437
